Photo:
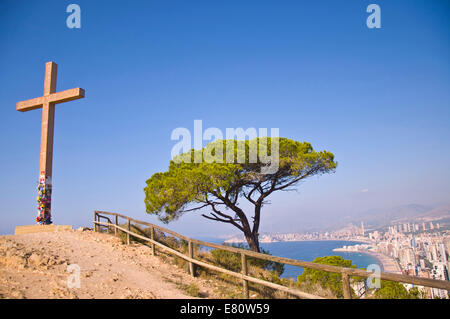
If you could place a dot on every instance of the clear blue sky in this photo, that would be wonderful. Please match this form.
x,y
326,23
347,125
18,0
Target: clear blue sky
x,y
379,99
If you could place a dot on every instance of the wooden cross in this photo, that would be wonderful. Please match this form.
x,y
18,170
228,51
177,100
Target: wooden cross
x,y
47,102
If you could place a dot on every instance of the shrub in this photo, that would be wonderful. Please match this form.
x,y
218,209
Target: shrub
x,y
232,261
193,290
396,290
327,280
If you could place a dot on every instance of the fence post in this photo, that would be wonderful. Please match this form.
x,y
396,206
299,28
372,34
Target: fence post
x,y
128,234
346,286
191,255
95,221
152,237
116,223
244,272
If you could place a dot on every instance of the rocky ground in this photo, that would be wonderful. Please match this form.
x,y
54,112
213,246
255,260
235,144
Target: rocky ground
x,y
45,265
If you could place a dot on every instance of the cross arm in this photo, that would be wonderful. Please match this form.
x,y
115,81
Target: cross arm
x,y
58,97
66,96
31,104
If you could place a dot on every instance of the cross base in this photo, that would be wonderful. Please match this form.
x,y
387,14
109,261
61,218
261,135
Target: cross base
x,y
28,229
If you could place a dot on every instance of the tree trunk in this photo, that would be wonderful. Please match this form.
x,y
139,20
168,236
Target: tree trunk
x,y
252,237
253,241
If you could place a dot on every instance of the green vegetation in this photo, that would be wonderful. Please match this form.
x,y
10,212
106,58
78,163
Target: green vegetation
x,y
395,290
224,171
192,290
231,286
310,279
232,261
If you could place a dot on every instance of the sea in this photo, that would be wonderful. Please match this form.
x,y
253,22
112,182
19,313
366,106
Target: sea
x,y
309,250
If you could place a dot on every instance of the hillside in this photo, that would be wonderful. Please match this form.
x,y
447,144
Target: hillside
x,y
375,218
437,213
35,266
381,217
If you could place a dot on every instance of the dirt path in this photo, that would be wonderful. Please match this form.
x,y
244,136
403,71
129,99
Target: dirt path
x,y
35,266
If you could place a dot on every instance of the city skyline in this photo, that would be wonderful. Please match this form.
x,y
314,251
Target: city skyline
x,y
419,249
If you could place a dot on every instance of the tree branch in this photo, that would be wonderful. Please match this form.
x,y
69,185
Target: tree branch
x,y
192,209
237,210
310,172
228,219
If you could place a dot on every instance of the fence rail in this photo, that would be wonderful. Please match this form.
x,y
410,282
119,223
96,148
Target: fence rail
x,y
346,273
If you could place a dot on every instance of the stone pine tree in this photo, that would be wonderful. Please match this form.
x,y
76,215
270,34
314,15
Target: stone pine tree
x,y
213,181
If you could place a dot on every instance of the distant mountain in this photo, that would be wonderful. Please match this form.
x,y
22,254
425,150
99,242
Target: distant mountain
x,y
386,216
437,213
377,218
404,213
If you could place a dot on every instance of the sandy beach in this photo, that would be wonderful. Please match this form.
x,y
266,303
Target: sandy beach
x,y
388,264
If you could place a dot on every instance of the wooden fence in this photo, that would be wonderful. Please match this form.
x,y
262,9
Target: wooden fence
x,y
346,273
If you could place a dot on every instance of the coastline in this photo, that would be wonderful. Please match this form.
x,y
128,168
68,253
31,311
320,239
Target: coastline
x,y
303,240
386,263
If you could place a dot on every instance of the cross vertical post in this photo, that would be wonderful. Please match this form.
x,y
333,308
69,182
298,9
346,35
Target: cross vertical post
x,y
46,156
47,102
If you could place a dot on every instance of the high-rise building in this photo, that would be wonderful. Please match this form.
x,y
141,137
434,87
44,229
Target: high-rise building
x,y
413,242
434,255
422,263
445,273
442,252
